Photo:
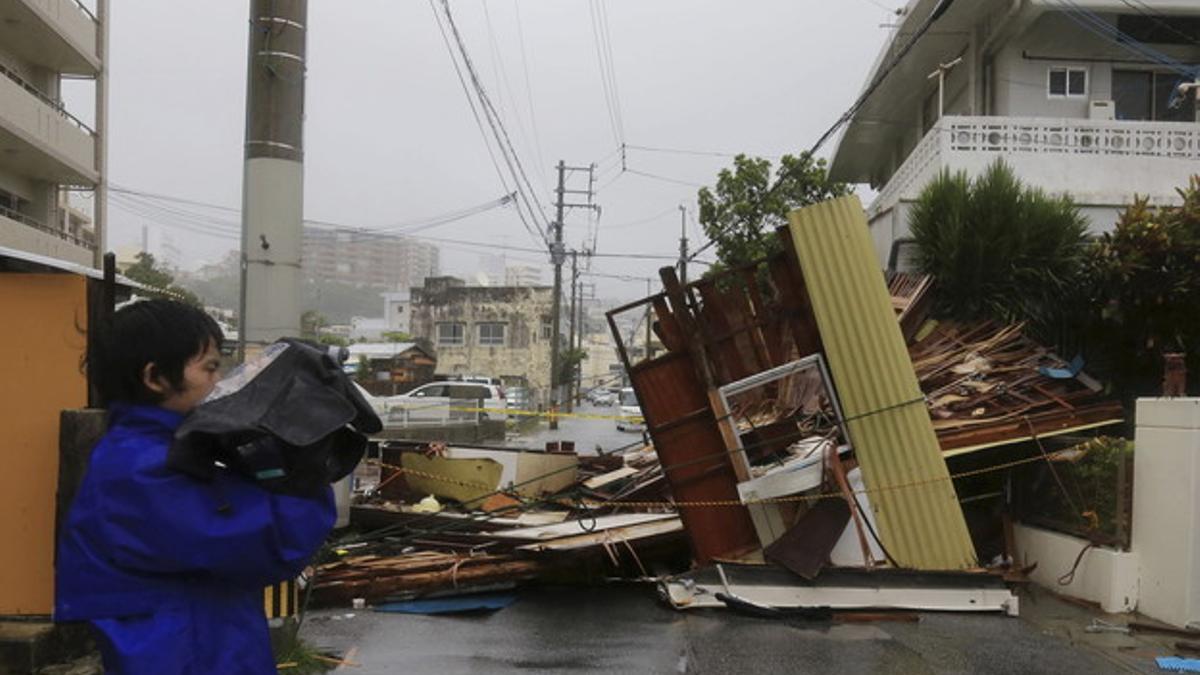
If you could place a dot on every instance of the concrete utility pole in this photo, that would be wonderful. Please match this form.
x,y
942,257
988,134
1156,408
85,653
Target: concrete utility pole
x,y
649,327
682,245
556,257
100,196
574,323
273,178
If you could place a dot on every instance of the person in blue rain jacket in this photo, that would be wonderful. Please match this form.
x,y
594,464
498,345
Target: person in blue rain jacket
x,y
170,570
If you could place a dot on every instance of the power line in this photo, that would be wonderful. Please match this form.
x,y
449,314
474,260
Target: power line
x,y
524,189
610,104
1147,11
701,153
537,139
203,224
602,11
934,15
666,179
641,221
475,113
1095,24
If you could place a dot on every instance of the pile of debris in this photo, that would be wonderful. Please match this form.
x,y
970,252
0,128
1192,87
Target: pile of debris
x,y
803,415
460,519
988,384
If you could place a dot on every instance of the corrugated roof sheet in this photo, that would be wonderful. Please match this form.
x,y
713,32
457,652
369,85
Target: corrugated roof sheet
x,y
889,425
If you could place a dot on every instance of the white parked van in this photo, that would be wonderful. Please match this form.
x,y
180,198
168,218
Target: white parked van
x,y
631,412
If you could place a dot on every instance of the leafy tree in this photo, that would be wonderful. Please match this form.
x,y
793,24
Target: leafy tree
x,y
396,336
146,270
568,361
1145,290
998,249
311,323
742,211
334,340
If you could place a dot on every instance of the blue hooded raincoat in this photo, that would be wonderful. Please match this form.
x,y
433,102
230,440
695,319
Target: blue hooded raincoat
x,y
170,570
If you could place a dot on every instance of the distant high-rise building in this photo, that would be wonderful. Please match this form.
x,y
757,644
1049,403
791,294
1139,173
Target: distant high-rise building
x,y
367,258
522,275
45,150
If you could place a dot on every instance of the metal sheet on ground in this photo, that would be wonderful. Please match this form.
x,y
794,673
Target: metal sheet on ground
x,y
805,547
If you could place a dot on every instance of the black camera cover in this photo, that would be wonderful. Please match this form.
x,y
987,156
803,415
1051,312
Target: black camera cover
x,y
291,420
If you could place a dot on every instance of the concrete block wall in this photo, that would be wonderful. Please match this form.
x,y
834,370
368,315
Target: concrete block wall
x,y
1166,508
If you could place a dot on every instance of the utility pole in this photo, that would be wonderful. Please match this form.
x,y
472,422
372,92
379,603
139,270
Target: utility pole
x,y
273,178
649,331
682,245
558,256
574,325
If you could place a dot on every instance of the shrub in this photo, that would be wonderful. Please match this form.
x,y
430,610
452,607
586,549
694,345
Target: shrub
x,y
998,249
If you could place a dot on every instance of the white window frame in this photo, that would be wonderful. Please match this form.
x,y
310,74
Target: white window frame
x,y
1066,71
443,340
491,340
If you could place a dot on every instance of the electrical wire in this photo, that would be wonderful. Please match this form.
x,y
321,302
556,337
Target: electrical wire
x,y
1147,11
934,15
602,11
699,153
1098,26
665,179
537,139
607,77
475,112
524,189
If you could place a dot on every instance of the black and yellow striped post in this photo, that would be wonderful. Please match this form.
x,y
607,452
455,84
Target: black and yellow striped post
x,y
282,600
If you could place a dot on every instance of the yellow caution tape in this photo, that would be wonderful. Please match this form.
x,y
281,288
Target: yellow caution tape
x,y
517,412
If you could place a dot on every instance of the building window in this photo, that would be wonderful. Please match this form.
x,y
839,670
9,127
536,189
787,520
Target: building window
x,y
547,328
491,334
450,333
1067,82
1147,95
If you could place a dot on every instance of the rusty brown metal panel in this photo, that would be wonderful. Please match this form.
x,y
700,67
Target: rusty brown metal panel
x,y
693,454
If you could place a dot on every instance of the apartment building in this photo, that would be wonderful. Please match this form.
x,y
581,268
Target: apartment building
x,y
361,257
494,331
1092,98
46,151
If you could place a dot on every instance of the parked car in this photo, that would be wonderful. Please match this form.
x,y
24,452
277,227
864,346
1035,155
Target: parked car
x,y
517,397
447,402
631,412
601,397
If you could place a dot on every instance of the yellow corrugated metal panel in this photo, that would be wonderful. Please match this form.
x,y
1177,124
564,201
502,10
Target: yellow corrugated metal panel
x,y
893,438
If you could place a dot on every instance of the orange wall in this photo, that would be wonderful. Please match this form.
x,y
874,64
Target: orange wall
x,y
41,343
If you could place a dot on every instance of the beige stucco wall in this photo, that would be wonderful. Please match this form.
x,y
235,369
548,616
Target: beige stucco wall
x,y
525,352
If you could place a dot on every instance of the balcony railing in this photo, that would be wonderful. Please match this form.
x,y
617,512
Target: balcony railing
x,y
39,225
1025,136
54,105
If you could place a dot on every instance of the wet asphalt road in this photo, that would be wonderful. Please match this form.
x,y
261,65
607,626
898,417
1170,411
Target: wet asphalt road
x,y
587,432
624,629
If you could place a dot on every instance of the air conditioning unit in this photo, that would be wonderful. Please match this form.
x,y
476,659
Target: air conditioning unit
x,y
1102,110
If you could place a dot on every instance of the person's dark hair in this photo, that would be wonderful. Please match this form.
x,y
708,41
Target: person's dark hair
x,y
163,332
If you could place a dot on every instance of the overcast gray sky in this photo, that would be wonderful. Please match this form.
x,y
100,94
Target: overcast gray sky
x,y
390,137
